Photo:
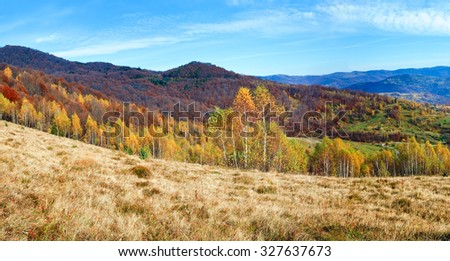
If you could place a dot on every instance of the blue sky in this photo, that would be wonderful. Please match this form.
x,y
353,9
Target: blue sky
x,y
246,36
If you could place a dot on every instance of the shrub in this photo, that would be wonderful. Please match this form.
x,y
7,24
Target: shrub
x,y
141,171
151,192
129,150
402,204
143,153
266,190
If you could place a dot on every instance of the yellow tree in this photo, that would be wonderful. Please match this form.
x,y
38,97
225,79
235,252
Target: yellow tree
x,y
116,134
244,104
212,154
53,110
356,163
342,156
77,130
322,159
27,113
366,170
8,73
170,147
383,163
101,135
243,101
265,103
132,143
431,161
337,158
147,140
218,125
62,123
91,130
347,161
411,158
287,155
40,121
6,107
80,99
443,154
3,105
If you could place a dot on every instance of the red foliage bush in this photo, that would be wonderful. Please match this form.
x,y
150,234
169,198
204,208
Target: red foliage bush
x,y
10,93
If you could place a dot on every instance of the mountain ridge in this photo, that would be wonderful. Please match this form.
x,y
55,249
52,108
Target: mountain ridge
x,y
153,89
355,77
51,64
422,88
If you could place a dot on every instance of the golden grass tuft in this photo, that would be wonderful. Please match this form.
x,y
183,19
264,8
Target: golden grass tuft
x,y
82,164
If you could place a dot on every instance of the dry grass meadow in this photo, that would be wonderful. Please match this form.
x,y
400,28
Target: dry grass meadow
x,y
54,188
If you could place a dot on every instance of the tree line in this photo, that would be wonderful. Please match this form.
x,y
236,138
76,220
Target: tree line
x,y
333,157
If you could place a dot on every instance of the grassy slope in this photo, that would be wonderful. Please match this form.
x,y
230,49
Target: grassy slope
x,y
424,127
53,188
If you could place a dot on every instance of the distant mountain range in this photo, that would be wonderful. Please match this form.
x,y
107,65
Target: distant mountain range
x,y
424,85
409,86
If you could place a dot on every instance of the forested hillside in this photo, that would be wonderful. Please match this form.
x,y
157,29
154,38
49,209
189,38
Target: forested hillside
x,y
369,117
68,109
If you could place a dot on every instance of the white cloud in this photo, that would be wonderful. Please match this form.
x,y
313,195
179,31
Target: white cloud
x,y
391,17
109,48
49,38
267,22
7,27
239,2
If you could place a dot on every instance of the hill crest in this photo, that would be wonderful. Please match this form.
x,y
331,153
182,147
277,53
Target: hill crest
x,y
193,82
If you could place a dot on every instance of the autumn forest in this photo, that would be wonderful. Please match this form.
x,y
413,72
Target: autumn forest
x,y
401,141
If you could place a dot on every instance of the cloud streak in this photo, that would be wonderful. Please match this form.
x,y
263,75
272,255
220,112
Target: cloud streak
x,y
269,22
7,27
391,17
239,2
49,38
110,48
